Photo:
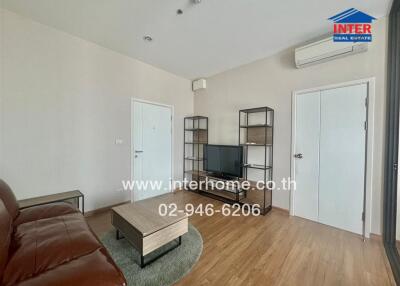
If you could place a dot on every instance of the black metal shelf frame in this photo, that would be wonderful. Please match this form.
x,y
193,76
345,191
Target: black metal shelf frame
x,y
259,167
255,125
195,129
194,125
267,167
195,159
251,145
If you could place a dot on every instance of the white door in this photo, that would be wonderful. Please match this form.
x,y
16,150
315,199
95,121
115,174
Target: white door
x,y
342,159
330,149
152,153
307,147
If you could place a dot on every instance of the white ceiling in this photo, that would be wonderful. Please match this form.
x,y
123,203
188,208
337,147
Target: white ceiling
x,y
207,39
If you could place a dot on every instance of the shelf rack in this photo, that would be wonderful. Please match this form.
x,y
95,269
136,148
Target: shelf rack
x,y
195,135
256,134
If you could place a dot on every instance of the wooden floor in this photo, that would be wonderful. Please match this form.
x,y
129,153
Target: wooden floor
x,y
275,249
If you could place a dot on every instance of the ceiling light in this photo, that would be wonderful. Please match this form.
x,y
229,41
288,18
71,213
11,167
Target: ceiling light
x,y
147,38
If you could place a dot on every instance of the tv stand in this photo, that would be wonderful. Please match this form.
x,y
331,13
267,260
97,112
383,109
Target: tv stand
x,y
233,196
222,177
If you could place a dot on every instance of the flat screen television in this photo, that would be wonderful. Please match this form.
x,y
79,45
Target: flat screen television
x,y
223,160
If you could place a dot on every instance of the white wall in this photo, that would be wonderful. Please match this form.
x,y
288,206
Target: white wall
x,y
64,101
271,81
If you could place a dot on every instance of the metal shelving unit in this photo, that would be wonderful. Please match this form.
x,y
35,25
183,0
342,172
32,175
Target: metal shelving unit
x,y
195,135
256,134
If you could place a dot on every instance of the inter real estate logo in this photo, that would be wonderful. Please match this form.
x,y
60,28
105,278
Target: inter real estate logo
x,y
352,26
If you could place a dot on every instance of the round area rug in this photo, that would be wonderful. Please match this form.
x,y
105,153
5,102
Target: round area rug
x,y
166,270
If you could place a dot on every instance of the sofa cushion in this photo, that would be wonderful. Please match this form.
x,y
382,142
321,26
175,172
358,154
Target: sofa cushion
x,y
45,244
43,212
9,200
5,236
96,268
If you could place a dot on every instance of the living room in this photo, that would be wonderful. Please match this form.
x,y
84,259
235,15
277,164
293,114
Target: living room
x,y
197,142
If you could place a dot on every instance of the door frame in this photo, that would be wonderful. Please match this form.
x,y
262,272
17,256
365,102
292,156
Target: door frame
x,y
369,156
132,149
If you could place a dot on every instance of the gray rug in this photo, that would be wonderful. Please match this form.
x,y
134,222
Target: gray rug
x,y
167,270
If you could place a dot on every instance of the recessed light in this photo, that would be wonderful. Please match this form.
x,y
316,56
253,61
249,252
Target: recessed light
x,y
147,38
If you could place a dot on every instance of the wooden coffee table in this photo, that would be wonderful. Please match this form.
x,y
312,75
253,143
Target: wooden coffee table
x,y
143,226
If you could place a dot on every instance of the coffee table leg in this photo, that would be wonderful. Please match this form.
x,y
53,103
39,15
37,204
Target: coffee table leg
x,y
142,261
143,264
118,236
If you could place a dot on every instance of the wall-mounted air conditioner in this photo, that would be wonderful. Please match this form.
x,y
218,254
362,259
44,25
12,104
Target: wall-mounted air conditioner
x,y
326,50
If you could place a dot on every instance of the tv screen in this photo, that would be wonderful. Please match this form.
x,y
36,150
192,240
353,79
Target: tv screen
x,y
223,159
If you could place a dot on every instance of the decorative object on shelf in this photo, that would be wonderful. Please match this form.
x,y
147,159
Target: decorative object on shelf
x,y
256,134
195,135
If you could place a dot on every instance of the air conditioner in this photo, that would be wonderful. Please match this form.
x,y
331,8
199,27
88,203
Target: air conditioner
x,y
199,84
326,50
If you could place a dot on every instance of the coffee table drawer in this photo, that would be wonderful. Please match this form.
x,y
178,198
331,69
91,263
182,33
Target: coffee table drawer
x,y
163,236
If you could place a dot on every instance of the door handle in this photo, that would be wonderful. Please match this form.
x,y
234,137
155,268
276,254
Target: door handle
x,y
298,156
136,152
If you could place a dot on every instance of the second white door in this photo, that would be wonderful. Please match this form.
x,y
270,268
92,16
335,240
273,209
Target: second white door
x,y
330,136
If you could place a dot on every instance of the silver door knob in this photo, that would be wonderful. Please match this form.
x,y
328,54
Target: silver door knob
x,y
298,156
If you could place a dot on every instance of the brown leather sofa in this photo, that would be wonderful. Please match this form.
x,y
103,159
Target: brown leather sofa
x,y
50,245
